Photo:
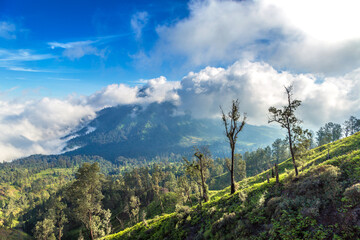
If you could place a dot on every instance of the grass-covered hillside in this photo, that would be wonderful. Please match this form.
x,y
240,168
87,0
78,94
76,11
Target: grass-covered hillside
x,y
323,202
13,234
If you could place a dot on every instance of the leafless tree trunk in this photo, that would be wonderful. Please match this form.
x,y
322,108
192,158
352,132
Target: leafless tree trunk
x,y
233,127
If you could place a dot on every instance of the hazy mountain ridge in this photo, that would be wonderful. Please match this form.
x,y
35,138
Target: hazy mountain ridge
x,y
135,131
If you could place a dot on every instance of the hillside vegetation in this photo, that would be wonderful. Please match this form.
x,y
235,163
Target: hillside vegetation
x,y
323,202
30,189
47,197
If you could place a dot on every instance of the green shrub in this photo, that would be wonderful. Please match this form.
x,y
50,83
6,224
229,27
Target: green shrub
x,y
272,205
182,211
318,182
292,225
242,196
352,194
221,225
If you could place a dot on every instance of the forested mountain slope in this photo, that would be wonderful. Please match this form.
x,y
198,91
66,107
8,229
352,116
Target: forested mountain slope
x,y
157,130
30,189
323,202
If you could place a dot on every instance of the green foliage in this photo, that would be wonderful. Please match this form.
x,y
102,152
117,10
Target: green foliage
x,y
352,194
158,201
85,195
302,207
328,133
23,189
44,230
320,181
351,126
280,150
258,160
52,225
299,139
197,169
13,234
294,226
165,204
224,223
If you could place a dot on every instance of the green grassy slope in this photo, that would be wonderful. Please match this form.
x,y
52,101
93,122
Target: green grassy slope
x,y
13,234
323,202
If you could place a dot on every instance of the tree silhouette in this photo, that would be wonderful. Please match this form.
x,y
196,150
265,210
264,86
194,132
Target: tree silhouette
x,y
287,119
233,126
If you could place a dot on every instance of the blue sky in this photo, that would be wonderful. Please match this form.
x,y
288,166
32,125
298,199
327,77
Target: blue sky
x,y
63,61
57,48
106,36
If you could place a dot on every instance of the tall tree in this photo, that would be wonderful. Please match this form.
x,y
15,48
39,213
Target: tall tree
x,y
184,189
328,133
198,169
280,150
55,216
44,230
85,195
287,119
351,126
134,205
233,125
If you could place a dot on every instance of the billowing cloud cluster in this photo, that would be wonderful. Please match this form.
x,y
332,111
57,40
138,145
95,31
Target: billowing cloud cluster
x,y
301,35
259,86
38,126
154,90
315,43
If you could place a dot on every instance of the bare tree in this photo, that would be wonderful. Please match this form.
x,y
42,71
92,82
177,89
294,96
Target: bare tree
x,y
233,126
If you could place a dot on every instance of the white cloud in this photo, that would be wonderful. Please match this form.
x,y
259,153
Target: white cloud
x,y
39,126
21,69
218,30
14,59
259,86
327,21
76,50
21,55
36,127
7,30
160,90
68,45
138,22
112,95
302,36
154,90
